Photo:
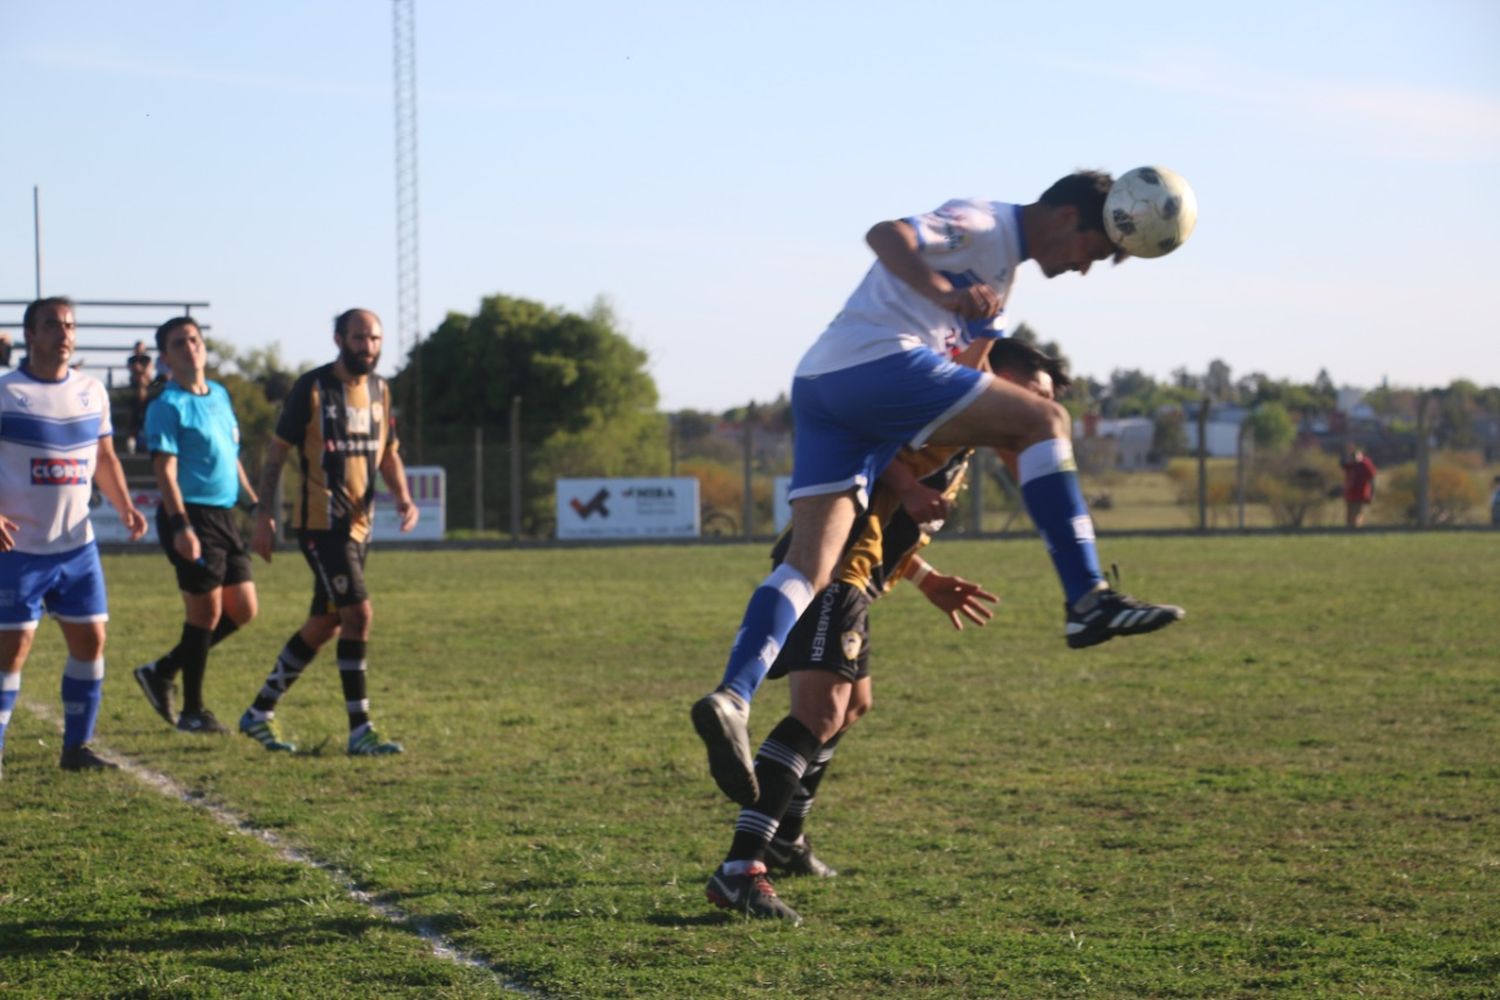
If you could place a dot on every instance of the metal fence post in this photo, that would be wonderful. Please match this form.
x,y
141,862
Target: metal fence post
x,y
515,468
749,504
478,477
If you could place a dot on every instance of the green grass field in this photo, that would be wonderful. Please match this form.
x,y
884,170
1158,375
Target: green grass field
x,y
1292,793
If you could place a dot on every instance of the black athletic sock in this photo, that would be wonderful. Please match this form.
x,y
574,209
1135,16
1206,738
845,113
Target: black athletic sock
x,y
191,657
227,627
795,818
294,658
779,765
351,653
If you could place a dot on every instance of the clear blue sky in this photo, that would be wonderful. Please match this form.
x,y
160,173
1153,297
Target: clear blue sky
x,y
711,169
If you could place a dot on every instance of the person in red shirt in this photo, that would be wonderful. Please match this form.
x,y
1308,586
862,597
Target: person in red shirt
x,y
1359,486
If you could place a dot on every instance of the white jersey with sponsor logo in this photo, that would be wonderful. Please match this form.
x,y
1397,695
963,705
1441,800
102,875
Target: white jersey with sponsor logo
x,y
49,446
969,240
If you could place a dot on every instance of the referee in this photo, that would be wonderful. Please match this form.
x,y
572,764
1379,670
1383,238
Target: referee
x,y
194,442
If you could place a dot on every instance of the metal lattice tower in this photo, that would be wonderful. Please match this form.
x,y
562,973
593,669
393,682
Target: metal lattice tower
x,y
408,259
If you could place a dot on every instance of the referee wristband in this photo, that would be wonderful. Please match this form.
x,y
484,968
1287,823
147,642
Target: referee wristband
x,y
178,523
921,573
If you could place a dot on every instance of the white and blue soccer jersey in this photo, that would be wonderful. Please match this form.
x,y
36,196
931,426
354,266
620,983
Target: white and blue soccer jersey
x,y
49,446
969,240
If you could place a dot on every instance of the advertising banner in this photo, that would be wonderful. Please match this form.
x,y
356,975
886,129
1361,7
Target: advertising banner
x,y
429,491
627,508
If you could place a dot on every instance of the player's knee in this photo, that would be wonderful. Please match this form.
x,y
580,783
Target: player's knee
x,y
858,709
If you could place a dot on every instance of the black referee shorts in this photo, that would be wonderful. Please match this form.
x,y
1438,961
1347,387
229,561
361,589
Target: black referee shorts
x,y
225,559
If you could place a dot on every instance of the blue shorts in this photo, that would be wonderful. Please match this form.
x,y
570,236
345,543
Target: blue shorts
x,y
850,423
69,585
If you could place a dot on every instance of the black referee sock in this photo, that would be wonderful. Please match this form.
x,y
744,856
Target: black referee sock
x,y
190,658
795,818
227,627
351,654
779,765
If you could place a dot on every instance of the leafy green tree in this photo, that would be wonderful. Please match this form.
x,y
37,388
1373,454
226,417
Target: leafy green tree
x,y
1272,426
588,405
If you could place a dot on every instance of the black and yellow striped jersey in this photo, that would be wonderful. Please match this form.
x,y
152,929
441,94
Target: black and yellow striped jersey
x,y
884,537
341,432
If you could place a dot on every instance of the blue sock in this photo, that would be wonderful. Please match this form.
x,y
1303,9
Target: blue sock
x,y
82,685
773,609
1049,485
10,687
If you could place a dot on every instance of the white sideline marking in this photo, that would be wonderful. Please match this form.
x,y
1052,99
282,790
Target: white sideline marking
x,y
166,785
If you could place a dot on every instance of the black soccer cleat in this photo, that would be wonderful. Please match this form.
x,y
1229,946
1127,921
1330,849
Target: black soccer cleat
x,y
157,689
82,758
202,721
1102,615
722,720
797,858
751,894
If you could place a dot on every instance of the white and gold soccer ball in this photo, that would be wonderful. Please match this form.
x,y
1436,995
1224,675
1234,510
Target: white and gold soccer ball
x,y
1150,211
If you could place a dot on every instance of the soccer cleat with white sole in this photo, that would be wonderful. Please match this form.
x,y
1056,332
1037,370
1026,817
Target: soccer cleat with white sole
x,y
369,744
722,720
1100,616
797,859
266,733
751,894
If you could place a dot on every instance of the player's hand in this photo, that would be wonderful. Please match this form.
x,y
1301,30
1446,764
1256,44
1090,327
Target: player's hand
x,y
957,597
263,539
408,513
973,302
186,544
8,528
923,503
135,522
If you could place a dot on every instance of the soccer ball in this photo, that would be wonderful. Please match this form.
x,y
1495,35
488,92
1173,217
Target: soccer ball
x,y
1150,211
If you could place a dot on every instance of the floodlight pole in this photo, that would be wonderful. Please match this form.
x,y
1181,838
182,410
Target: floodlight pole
x,y
36,233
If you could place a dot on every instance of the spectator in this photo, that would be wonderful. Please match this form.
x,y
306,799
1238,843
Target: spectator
x,y
1495,503
4,350
1359,485
139,365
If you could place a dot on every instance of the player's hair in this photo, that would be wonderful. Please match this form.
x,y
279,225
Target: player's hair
x,y
172,325
1085,190
342,320
1011,355
29,316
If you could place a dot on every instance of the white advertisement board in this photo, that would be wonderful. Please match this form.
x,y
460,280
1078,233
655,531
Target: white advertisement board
x,y
628,508
429,491
109,529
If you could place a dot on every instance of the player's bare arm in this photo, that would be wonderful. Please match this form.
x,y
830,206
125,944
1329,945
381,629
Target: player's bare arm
x,y
263,540
921,502
895,246
110,478
393,471
247,489
184,538
7,533
953,595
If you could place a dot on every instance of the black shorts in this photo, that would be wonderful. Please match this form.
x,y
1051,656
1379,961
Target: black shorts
x,y
338,565
225,559
832,634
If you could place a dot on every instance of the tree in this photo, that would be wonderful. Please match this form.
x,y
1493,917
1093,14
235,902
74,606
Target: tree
x,y
588,405
1272,426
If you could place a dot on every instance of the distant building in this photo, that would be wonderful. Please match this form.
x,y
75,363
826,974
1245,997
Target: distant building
x,y
1124,443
